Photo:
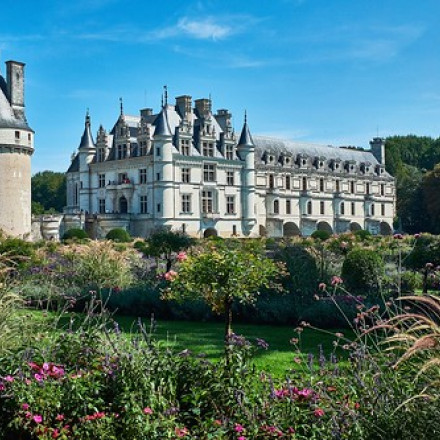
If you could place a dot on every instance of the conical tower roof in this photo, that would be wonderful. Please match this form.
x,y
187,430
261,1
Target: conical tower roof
x,y
245,137
161,124
87,138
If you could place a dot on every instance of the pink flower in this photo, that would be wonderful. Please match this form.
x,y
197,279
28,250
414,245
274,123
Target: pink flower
x,y
242,437
416,235
45,366
398,236
181,256
170,275
2,387
238,427
322,286
148,410
38,377
9,378
59,417
25,406
343,244
55,433
318,412
37,418
181,432
336,280
27,382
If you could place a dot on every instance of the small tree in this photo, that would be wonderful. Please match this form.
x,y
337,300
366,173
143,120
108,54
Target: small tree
x,y
221,273
118,235
163,243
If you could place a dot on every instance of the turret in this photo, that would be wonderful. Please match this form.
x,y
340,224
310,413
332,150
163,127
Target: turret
x,y
246,151
86,153
163,165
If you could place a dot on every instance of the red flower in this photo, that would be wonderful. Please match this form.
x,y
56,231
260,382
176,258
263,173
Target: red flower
x,y
318,412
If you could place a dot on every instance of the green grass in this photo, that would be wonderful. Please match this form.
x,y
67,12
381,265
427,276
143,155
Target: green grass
x,y
207,338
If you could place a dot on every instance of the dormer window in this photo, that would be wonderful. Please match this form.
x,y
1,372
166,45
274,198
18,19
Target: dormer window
x,y
229,152
321,164
304,162
184,147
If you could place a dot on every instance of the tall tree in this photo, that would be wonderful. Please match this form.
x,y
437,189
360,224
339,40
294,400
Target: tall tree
x,y
49,191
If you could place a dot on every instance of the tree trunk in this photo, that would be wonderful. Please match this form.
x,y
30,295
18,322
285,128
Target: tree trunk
x,y
425,281
228,328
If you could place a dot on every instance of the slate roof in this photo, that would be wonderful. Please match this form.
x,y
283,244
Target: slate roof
x,y
7,116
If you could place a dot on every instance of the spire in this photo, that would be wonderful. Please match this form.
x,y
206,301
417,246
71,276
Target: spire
x,y
122,107
87,139
162,125
165,94
245,137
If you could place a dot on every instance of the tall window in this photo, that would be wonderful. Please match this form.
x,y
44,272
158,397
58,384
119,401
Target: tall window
x,y
342,208
142,148
321,185
288,181
382,209
143,175
309,207
209,172
143,202
186,176
123,178
230,178
157,151
207,202
184,147
230,204
122,151
208,149
338,186
304,183
382,189
186,203
367,188
372,209
101,206
276,207
352,187
271,181
157,176
321,207
101,154
229,152
288,207
353,208
101,180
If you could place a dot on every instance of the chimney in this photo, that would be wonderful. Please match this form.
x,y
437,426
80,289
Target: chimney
x,y
15,87
203,107
377,146
146,112
223,118
184,104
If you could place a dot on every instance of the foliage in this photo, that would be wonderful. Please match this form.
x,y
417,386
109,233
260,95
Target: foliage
x,y
165,242
431,197
362,271
362,234
49,191
75,234
119,235
321,235
222,272
426,250
16,252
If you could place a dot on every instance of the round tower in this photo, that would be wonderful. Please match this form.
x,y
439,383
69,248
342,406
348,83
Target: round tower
x,y
16,148
246,151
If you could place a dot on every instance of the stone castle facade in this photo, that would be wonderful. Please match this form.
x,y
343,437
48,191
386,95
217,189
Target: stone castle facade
x,y
16,149
185,168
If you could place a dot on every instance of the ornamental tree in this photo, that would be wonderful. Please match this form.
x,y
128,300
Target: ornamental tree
x,y
222,272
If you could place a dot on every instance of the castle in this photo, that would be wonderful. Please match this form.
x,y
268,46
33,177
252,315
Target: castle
x,y
16,149
185,168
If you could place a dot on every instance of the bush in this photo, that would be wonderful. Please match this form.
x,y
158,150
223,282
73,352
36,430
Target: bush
x,y
362,234
75,234
362,271
119,235
321,235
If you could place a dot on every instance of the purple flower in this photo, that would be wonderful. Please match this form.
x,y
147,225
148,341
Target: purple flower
x,y
262,343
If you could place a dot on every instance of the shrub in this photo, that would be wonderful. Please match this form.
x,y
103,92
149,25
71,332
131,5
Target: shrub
x,y
321,235
75,234
362,234
362,271
119,235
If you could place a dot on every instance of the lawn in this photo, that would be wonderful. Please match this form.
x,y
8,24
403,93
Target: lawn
x,y
207,338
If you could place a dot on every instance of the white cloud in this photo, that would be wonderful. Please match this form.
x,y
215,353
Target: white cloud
x,y
204,29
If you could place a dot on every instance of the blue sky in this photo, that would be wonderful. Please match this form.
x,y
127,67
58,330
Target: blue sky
x,y
328,71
